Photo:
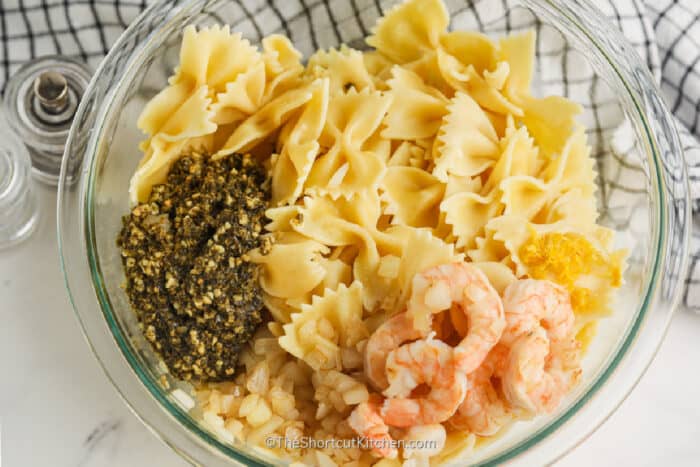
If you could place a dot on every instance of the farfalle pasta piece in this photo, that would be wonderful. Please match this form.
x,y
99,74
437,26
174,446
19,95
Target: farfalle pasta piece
x,y
160,156
282,83
413,196
407,251
417,109
324,327
574,167
242,97
487,249
519,51
428,68
483,88
161,107
278,71
362,209
378,145
292,166
526,196
471,48
213,56
345,168
453,72
281,218
467,143
402,155
178,113
283,67
322,220
379,68
513,231
497,77
279,54
411,154
519,156
498,274
551,119
459,184
290,256
468,214
337,273
410,29
421,251
279,308
574,207
488,96
269,118
345,68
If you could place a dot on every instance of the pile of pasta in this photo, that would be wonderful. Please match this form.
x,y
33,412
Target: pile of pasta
x,y
428,149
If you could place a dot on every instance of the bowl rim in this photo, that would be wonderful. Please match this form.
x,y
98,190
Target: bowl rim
x,y
87,234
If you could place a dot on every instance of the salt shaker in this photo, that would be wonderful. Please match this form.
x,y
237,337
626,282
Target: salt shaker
x,y
41,100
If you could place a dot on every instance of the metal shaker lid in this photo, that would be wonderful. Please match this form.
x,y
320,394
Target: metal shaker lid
x,y
40,102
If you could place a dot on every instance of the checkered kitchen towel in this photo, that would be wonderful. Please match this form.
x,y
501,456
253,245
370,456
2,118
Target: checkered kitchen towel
x,y
666,34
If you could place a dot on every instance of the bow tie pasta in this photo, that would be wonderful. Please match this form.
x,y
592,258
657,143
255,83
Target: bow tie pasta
x,y
427,153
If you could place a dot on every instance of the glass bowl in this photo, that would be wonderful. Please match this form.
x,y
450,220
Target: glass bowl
x,y
642,183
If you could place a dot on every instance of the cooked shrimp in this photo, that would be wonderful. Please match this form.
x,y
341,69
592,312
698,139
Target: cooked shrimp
x,y
389,336
530,303
430,362
482,318
540,372
368,423
484,411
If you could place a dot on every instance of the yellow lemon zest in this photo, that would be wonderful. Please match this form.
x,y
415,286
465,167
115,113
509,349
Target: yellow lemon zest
x,y
564,258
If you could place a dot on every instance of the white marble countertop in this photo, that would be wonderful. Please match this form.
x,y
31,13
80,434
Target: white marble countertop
x,y
57,408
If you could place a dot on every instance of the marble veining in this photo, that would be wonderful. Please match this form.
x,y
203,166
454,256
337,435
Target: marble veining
x,y
98,437
102,430
57,408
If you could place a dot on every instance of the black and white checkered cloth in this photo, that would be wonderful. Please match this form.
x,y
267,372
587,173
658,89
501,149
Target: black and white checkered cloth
x,y
665,33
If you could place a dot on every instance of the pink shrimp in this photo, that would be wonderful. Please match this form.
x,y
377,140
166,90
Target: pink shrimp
x,y
430,362
540,372
368,423
530,303
463,285
389,336
484,411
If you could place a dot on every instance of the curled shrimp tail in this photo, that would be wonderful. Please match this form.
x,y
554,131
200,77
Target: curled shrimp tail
x,y
389,336
429,362
404,413
484,410
475,308
531,303
544,362
367,422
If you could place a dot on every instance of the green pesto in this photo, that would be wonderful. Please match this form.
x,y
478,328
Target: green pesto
x,y
188,278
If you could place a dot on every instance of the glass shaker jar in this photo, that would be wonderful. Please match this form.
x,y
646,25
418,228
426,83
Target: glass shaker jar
x,y
41,100
18,205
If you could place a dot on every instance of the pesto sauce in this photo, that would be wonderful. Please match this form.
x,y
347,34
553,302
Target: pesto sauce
x,y
188,278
